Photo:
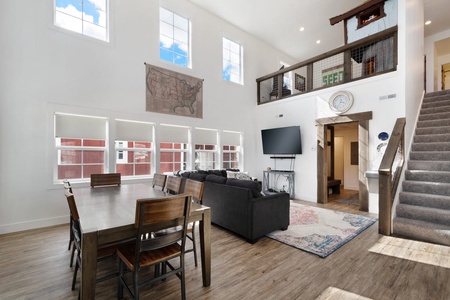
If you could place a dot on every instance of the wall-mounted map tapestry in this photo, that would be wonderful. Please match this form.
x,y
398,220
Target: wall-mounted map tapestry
x,y
173,93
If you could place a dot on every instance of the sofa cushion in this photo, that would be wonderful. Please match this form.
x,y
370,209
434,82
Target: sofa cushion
x,y
216,179
222,173
198,176
254,186
187,174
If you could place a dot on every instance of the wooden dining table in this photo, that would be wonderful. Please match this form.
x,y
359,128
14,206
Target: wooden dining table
x,y
107,215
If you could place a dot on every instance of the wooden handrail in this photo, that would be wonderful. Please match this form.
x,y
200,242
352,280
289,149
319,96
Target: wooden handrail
x,y
389,175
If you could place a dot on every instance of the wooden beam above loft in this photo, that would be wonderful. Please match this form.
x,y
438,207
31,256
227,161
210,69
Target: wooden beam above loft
x,y
355,11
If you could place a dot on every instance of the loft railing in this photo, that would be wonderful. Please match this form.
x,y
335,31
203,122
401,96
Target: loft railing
x,y
367,57
389,175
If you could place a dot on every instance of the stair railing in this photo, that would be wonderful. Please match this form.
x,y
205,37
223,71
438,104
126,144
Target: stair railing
x,y
389,175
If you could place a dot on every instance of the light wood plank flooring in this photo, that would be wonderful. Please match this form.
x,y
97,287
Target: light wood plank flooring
x,y
35,265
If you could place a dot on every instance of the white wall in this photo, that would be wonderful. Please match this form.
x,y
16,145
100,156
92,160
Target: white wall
x,y
45,69
411,62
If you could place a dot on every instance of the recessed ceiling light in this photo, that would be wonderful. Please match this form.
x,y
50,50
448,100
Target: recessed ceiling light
x,y
301,28
428,22
318,42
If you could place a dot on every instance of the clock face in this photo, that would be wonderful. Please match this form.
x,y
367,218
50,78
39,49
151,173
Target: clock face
x,y
341,101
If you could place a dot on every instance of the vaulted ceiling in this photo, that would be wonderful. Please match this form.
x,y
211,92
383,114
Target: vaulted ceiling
x,y
278,22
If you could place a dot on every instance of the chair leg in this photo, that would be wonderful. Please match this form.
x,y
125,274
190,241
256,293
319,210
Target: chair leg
x,y
72,255
194,247
136,284
183,285
120,278
74,279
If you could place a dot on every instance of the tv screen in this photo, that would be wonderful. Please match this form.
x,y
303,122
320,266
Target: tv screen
x,y
283,140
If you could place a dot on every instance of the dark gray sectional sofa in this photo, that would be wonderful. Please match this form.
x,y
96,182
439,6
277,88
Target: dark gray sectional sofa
x,y
239,206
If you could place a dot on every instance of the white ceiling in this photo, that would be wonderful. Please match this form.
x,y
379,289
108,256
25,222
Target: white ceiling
x,y
278,22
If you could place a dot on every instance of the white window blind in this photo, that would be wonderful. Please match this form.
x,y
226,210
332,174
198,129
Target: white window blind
x,y
205,136
174,134
75,126
231,138
134,131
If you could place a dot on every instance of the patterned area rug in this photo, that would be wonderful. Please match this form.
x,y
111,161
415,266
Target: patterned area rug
x,y
320,231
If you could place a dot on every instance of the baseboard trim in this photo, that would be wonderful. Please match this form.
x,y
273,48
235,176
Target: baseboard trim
x,y
34,224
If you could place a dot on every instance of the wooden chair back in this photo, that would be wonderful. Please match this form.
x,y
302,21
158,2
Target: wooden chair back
x,y
173,185
75,218
159,180
105,179
195,188
170,213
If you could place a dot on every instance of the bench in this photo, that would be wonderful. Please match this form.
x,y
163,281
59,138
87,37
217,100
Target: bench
x,y
335,185
105,179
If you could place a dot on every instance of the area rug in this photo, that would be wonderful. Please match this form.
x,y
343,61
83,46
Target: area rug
x,y
352,199
320,231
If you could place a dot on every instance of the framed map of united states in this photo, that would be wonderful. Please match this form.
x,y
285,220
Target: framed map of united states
x,y
169,92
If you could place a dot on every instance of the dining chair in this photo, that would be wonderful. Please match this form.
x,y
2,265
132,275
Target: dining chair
x,y
102,253
105,179
152,215
68,188
173,185
196,189
159,180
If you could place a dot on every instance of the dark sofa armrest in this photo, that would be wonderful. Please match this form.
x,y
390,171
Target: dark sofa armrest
x,y
269,213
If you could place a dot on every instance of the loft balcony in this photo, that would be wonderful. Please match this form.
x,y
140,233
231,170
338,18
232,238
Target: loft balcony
x,y
371,56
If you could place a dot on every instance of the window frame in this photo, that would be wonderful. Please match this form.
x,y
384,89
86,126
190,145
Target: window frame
x,y
226,62
214,152
237,152
173,38
83,32
184,151
134,149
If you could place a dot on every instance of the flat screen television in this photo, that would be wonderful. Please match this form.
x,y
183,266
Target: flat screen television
x,y
283,140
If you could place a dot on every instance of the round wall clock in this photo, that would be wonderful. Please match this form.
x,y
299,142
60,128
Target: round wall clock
x,y
341,101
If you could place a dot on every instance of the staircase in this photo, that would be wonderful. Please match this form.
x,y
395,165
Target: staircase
x,y
423,212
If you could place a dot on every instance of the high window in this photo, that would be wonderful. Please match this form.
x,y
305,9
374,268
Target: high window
x,y
133,148
173,148
80,143
87,17
205,149
232,61
174,38
231,149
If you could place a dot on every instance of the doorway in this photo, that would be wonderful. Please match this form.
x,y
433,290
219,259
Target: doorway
x,y
445,73
323,156
342,151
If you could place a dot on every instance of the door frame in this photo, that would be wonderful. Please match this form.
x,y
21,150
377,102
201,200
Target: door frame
x,y
322,159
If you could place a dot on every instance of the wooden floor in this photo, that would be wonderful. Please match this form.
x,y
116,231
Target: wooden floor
x,y
35,265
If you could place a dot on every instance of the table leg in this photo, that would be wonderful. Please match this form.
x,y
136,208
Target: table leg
x,y
88,264
205,244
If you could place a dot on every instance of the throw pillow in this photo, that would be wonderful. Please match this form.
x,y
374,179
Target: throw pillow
x,y
243,176
231,174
